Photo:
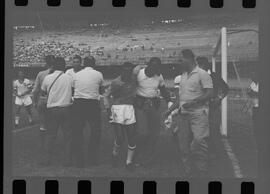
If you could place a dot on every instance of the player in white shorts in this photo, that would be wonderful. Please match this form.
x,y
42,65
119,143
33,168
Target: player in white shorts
x,y
119,100
22,90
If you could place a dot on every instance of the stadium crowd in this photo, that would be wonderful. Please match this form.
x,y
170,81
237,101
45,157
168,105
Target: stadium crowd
x,y
70,99
29,53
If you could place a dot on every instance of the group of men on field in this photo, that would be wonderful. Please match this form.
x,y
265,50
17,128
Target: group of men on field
x,y
70,99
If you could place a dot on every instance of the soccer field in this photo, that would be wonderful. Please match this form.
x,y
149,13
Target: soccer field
x,y
237,154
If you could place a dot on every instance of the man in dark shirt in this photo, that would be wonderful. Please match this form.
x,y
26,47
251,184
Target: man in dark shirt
x,y
220,90
119,100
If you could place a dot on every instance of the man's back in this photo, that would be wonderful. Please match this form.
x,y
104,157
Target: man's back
x,y
87,83
61,92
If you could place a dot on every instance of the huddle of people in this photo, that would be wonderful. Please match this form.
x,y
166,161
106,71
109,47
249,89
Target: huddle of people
x,y
70,99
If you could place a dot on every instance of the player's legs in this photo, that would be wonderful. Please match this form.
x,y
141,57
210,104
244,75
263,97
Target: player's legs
x,y
27,101
17,114
118,142
18,106
29,112
131,138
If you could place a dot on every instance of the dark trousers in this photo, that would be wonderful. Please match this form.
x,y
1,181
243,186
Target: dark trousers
x,y
255,120
58,117
149,126
85,111
214,126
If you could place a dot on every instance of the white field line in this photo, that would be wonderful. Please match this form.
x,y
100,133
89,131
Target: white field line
x,y
24,128
232,157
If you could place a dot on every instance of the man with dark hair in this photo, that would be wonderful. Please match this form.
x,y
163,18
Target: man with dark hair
x,y
196,90
86,109
22,90
220,90
58,87
77,66
119,100
89,61
150,83
39,100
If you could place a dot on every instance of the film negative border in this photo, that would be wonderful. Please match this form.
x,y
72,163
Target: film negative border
x,y
147,3
118,187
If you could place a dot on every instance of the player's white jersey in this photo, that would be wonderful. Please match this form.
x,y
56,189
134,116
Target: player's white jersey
x,y
22,87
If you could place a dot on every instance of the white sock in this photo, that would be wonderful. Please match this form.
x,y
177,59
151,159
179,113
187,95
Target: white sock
x,y
17,119
130,154
116,148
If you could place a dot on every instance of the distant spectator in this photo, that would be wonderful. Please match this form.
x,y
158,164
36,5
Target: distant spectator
x,y
22,89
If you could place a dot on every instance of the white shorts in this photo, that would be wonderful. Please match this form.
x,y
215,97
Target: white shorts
x,y
123,114
23,101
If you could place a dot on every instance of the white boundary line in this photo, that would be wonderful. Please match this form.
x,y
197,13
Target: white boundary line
x,y
232,157
24,128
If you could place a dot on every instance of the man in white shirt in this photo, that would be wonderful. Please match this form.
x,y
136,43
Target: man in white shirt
x,y
77,66
58,87
22,90
88,84
150,84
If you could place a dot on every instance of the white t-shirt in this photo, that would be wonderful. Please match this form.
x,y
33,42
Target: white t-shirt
x,y
61,92
71,72
87,83
148,87
22,87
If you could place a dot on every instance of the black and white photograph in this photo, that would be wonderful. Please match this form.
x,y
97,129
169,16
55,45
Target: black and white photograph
x,y
151,95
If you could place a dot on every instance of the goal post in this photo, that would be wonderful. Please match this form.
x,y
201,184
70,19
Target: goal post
x,y
221,46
